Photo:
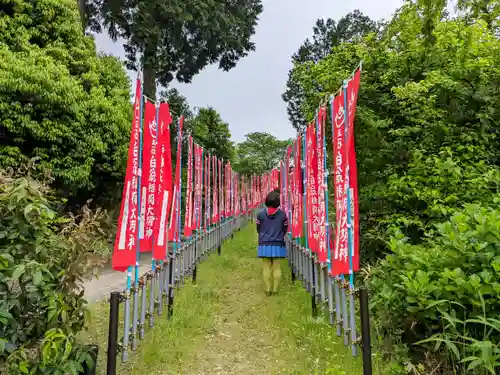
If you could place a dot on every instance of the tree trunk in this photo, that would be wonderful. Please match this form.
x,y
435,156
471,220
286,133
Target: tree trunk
x,y
149,71
83,14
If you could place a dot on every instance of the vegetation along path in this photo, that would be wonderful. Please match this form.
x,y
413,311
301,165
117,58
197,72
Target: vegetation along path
x,y
226,325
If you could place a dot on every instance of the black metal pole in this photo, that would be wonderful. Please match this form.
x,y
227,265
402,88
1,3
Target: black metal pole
x,y
171,287
313,290
218,250
365,331
114,308
194,275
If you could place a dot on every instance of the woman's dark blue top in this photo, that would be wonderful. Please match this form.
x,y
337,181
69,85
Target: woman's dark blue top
x,y
272,228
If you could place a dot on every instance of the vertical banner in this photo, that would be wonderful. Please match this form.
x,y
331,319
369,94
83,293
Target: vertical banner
x,y
188,213
298,216
148,178
228,190
312,189
289,180
215,205
321,213
124,251
352,95
199,185
221,191
340,262
164,186
174,223
209,190
282,186
200,180
205,189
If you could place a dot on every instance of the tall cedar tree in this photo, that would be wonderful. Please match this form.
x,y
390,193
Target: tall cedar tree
x,y
326,35
176,38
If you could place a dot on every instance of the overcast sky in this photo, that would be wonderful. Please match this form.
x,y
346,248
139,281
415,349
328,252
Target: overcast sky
x,y
248,97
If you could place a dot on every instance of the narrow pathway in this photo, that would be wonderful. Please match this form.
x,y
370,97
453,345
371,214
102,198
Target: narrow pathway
x,y
225,325
245,340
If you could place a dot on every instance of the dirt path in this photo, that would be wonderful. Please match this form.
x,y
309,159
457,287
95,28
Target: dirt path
x,y
244,340
246,335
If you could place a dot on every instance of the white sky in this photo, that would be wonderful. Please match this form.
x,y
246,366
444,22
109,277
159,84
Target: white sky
x,y
248,97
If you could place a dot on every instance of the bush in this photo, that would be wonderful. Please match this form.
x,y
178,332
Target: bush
x,y
444,292
44,259
61,102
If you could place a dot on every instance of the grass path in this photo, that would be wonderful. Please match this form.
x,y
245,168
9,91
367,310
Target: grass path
x,y
226,325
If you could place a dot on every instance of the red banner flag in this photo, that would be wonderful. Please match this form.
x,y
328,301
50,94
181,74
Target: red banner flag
x,y
198,154
220,191
215,209
288,185
206,183
322,244
164,186
174,223
228,190
340,262
188,213
209,189
352,95
312,189
297,203
148,178
237,194
124,252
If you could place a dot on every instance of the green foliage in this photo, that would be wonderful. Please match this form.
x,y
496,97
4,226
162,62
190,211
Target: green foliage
x,y
43,261
212,133
204,124
259,153
326,35
179,38
425,111
445,290
428,170
60,102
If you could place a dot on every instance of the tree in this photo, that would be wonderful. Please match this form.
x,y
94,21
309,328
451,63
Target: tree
x,y
178,104
326,35
60,102
259,153
204,124
178,38
487,11
213,134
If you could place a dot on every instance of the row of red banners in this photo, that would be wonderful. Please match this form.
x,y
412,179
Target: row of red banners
x,y
304,185
213,190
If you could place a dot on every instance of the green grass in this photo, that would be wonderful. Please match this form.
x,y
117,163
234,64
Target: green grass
x,y
225,325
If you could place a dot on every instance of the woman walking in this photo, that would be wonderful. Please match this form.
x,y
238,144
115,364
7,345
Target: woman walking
x,y
272,225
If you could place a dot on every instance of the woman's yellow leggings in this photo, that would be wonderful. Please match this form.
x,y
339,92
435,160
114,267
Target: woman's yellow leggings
x,y
272,270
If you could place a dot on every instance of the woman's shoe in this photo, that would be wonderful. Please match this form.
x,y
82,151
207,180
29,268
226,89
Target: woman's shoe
x,y
267,293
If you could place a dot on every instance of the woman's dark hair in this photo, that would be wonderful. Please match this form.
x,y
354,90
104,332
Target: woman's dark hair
x,y
273,200
277,190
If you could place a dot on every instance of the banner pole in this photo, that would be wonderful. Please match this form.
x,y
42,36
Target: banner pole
x,y
352,320
126,323
154,276
135,312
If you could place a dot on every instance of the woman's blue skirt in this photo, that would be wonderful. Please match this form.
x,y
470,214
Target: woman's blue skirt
x,y
271,251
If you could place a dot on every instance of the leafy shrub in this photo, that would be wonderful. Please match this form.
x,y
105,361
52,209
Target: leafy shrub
x,y
61,102
44,259
454,276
